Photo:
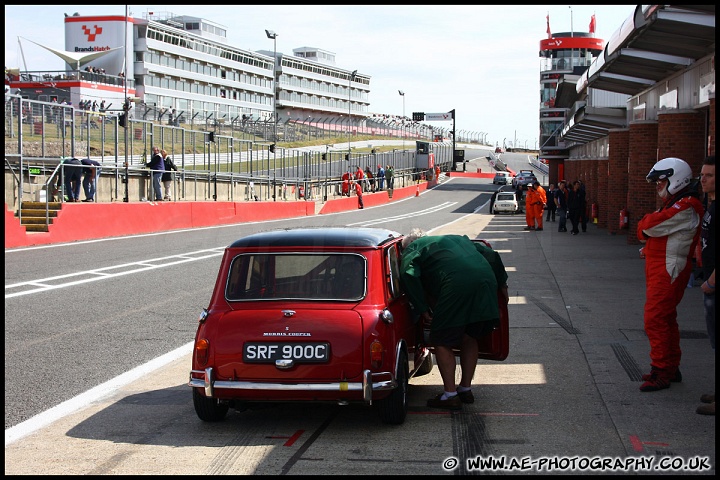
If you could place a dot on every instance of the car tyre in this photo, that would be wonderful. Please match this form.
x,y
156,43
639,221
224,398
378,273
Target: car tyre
x,y
393,408
208,409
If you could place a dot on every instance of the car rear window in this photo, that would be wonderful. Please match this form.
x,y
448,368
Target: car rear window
x,y
506,196
321,276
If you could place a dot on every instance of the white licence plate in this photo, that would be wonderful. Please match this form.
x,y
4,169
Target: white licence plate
x,y
299,352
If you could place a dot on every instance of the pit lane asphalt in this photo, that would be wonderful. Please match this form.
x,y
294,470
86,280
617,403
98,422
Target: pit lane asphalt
x,y
569,388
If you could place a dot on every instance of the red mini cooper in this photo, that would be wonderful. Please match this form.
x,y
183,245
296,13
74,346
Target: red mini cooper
x,y
313,314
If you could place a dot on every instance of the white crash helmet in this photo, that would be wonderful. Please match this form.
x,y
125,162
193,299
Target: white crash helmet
x,y
675,170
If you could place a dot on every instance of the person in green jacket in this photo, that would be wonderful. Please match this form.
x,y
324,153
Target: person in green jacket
x,y
452,283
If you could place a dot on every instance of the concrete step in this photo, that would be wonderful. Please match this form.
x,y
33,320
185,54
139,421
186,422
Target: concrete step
x,y
35,212
36,227
34,220
41,205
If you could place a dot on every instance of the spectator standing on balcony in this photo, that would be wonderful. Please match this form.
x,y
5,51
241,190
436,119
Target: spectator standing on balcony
x,y
670,235
359,192
91,174
346,183
369,179
380,177
167,176
359,175
71,177
157,167
707,243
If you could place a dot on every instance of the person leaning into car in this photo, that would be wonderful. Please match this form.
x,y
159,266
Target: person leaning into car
x,y
452,282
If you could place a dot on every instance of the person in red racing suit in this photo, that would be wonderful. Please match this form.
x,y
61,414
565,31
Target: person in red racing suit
x,y
670,236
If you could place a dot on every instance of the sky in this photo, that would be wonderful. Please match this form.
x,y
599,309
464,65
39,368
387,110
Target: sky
x,y
480,60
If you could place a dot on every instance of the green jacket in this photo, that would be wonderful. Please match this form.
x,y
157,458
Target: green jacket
x,y
454,277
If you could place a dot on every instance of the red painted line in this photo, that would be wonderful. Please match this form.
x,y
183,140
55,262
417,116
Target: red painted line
x,y
659,444
491,414
485,414
294,438
636,443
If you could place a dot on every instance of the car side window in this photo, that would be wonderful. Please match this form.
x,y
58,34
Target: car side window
x,y
393,260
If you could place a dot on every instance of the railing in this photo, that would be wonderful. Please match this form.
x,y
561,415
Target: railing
x,y
218,167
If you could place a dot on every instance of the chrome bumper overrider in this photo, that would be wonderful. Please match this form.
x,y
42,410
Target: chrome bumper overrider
x,y
370,382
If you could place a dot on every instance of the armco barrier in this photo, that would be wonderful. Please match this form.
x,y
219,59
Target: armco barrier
x,y
88,221
373,199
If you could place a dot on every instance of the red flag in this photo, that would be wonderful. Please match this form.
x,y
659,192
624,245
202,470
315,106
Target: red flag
x,y
592,24
548,25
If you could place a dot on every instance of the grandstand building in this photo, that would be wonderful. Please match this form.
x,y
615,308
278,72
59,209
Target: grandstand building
x,y
183,66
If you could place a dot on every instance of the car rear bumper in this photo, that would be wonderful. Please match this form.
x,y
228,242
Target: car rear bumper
x,y
371,382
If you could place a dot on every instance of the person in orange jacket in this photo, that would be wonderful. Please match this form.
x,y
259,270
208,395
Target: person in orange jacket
x,y
530,199
539,204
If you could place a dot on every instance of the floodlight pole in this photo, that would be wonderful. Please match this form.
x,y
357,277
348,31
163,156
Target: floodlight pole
x,y
402,94
454,168
272,35
352,77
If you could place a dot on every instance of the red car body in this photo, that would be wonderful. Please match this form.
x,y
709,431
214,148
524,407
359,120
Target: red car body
x,y
312,314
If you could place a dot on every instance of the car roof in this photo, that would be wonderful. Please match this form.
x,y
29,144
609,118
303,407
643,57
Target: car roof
x,y
318,237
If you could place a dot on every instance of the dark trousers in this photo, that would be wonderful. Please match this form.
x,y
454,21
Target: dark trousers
x,y
574,219
562,214
551,208
72,183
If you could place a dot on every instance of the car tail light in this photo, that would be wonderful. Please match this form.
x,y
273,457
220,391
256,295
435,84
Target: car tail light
x,y
376,354
202,351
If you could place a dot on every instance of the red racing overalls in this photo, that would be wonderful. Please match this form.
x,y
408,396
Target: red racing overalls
x,y
671,234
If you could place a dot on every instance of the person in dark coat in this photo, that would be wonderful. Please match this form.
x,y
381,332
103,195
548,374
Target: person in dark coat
x,y
91,174
575,203
157,167
70,177
167,176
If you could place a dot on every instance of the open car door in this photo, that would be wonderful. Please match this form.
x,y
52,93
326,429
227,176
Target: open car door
x,y
493,346
496,344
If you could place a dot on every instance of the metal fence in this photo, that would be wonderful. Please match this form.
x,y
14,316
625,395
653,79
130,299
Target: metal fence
x,y
220,164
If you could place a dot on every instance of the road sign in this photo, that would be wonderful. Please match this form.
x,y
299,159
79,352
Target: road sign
x,y
438,117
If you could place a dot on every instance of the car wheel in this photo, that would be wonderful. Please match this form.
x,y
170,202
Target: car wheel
x,y
208,409
393,408
426,367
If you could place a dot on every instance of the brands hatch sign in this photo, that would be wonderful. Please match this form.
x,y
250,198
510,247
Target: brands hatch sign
x,y
438,117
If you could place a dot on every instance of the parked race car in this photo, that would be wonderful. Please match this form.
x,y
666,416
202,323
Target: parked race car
x,y
317,315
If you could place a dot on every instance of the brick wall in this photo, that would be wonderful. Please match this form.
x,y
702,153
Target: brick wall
x,y
617,197
643,154
681,134
601,187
